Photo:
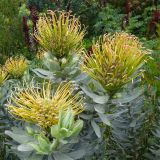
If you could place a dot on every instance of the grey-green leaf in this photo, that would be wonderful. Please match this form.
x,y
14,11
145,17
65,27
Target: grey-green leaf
x,y
25,148
96,98
96,128
77,154
128,98
43,73
99,108
104,119
19,138
61,156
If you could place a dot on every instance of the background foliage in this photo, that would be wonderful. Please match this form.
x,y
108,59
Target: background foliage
x,y
11,34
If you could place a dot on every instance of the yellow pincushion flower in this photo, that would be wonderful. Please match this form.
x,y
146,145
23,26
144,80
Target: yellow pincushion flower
x,y
3,76
42,107
16,66
59,33
115,60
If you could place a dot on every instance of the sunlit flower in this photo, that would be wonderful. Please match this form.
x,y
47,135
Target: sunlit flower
x,y
41,106
59,33
115,60
16,66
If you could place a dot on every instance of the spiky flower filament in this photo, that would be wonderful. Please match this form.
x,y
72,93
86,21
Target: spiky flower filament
x,y
16,66
60,33
115,60
42,107
3,75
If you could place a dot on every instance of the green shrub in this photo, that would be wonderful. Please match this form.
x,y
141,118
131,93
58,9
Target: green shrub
x,y
11,35
109,20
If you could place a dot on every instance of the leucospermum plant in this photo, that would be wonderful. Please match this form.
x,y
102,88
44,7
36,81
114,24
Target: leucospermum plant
x,y
16,66
52,118
42,107
60,33
115,60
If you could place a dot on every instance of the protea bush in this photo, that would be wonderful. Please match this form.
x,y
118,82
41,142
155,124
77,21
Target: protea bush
x,y
60,36
47,117
16,66
60,33
115,60
52,121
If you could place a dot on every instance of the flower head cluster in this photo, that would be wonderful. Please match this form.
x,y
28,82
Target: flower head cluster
x,y
42,107
115,60
59,33
16,66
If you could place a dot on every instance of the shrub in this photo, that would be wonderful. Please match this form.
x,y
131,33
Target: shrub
x,y
11,34
109,20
